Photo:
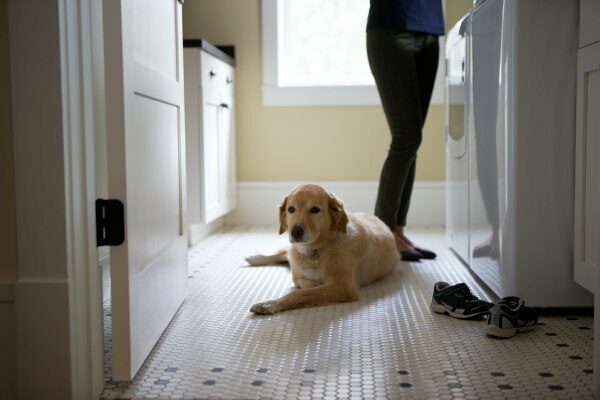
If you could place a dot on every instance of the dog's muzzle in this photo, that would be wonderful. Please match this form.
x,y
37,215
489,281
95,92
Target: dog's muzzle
x,y
297,233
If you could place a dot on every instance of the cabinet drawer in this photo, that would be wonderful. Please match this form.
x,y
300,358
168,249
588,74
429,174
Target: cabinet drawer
x,y
215,73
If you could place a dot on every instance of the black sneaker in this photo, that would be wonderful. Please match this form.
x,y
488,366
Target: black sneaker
x,y
457,301
508,316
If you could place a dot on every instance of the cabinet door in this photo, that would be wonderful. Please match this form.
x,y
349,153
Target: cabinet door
x,y
587,184
227,142
211,184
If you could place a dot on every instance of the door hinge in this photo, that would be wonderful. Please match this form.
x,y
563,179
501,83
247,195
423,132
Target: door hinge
x,y
110,222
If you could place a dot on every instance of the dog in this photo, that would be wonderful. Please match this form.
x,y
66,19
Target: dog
x,y
332,252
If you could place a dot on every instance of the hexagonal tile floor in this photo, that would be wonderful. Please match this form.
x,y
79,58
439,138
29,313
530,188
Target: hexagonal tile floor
x,y
385,345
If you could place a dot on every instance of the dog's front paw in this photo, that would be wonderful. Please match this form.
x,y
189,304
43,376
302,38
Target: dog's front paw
x,y
265,308
257,259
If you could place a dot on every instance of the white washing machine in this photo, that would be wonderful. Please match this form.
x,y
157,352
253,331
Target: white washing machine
x,y
519,135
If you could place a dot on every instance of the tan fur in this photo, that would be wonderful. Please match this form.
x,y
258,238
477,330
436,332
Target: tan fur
x,y
352,250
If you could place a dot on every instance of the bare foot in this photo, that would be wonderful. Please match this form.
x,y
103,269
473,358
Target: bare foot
x,y
401,244
399,231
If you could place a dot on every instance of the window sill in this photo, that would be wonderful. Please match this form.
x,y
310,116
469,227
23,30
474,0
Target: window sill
x,y
320,96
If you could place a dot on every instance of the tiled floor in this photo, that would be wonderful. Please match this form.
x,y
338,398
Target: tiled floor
x,y
386,345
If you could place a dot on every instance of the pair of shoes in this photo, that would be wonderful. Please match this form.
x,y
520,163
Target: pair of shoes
x,y
416,254
505,317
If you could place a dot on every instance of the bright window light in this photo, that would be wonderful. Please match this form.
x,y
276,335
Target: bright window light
x,y
323,43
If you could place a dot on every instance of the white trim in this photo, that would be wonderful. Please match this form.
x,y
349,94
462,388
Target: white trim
x,y
270,44
84,278
197,232
58,312
275,94
257,200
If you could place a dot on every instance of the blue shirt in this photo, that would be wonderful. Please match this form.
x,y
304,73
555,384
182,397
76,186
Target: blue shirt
x,y
426,16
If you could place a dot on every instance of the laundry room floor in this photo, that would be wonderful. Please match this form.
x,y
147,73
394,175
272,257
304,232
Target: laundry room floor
x,y
386,345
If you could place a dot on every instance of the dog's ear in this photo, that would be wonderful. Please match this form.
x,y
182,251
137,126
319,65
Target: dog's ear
x,y
339,219
282,225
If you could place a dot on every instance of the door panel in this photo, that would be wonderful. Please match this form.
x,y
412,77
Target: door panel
x,y
227,153
587,165
211,185
146,171
155,203
592,168
153,22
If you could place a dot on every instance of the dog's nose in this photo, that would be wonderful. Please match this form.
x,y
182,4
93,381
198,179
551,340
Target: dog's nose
x,y
297,232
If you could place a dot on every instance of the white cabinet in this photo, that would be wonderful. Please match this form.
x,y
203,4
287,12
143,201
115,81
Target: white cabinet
x,y
210,136
587,186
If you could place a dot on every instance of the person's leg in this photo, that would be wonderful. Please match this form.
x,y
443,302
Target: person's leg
x,y
427,62
392,60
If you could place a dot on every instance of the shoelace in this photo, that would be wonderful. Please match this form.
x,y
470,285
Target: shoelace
x,y
465,296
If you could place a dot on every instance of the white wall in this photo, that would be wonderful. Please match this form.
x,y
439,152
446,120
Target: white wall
x,y
42,289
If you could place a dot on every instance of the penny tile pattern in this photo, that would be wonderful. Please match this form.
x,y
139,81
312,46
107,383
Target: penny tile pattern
x,y
386,345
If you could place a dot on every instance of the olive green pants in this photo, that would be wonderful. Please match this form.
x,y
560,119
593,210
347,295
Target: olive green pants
x,y
404,65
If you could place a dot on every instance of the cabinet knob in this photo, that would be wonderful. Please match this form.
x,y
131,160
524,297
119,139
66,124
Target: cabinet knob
x,y
228,80
224,105
212,73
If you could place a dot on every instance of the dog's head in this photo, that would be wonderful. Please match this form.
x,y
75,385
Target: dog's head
x,y
310,212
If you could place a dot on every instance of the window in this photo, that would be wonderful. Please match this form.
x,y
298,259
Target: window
x,y
323,43
314,53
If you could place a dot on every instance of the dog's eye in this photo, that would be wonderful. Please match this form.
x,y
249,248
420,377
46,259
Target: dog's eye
x,y
315,210
291,209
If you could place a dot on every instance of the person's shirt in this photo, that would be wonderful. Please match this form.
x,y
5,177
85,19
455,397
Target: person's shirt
x,y
425,16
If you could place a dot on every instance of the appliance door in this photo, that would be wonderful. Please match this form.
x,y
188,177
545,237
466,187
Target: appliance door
x,y
457,195
486,141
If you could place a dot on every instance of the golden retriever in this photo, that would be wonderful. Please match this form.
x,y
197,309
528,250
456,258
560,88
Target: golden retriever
x,y
332,252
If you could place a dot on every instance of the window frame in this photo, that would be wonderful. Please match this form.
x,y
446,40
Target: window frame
x,y
274,94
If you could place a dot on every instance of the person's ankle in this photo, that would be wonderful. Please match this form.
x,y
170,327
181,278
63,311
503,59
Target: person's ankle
x,y
401,244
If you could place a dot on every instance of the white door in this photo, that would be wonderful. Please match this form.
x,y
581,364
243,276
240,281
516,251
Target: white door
x,y
146,171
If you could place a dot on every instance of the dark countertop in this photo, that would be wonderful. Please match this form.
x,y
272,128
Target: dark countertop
x,y
223,53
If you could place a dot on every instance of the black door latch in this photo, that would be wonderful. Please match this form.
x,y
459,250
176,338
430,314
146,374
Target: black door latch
x,y
110,222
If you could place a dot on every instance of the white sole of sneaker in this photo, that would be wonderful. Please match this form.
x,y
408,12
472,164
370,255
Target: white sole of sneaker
x,y
439,309
495,330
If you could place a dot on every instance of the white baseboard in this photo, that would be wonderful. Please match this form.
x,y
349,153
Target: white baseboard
x,y
198,232
257,200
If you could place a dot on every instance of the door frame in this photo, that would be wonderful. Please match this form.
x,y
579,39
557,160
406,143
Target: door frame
x,y
58,302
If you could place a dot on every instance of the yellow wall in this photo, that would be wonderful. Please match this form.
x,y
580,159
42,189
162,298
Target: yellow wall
x,y
302,143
